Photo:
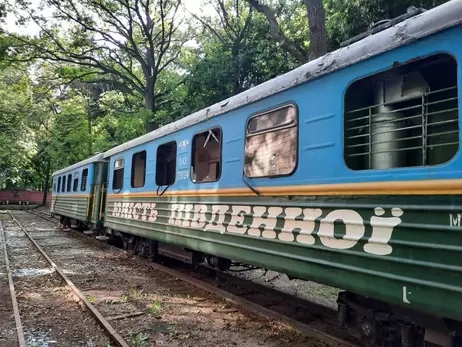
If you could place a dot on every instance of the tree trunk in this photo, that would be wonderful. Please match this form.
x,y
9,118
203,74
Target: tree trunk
x,y
47,182
317,26
150,122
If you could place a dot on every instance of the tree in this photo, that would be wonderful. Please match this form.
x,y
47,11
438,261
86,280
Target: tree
x,y
346,19
317,32
126,43
234,54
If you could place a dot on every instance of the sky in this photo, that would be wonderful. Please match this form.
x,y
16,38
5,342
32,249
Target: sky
x,y
193,6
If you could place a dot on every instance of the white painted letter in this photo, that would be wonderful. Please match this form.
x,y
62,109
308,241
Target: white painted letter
x,y
382,228
304,227
199,218
187,215
268,223
153,214
218,217
236,225
354,229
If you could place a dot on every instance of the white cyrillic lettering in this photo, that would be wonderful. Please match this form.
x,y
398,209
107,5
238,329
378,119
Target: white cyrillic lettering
x,y
382,229
218,217
199,218
354,229
236,225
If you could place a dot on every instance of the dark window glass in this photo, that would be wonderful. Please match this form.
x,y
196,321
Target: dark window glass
x,y
118,179
166,164
138,169
407,116
271,143
69,182
206,156
83,184
64,184
76,182
59,185
97,175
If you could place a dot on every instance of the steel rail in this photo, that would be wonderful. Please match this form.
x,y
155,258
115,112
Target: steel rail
x,y
113,335
248,305
14,302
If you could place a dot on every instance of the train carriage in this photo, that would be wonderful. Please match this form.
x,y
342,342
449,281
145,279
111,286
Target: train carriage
x,y
77,190
346,171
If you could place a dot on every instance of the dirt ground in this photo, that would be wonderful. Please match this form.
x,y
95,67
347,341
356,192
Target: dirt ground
x,y
7,325
146,306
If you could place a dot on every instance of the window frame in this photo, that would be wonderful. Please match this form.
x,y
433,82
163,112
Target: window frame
x,y
63,187
176,166
69,183
75,187
59,185
114,171
133,169
193,148
247,134
382,70
86,180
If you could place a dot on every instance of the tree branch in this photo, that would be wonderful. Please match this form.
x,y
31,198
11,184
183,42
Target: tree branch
x,y
275,31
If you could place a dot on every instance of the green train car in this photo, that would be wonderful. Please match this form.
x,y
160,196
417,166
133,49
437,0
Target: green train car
x,y
78,192
345,171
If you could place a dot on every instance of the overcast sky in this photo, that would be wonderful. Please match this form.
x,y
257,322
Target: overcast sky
x,y
191,5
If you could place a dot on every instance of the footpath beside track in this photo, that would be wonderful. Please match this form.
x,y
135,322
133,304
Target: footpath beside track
x,y
307,318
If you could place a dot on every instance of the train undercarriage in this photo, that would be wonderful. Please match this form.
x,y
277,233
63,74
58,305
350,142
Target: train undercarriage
x,y
373,322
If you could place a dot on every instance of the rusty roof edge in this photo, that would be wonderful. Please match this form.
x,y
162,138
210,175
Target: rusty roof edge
x,y
417,27
95,158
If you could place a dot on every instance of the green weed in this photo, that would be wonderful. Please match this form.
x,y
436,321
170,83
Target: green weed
x,y
155,307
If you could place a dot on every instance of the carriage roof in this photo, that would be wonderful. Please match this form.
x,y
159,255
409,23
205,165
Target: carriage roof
x,y
96,158
414,28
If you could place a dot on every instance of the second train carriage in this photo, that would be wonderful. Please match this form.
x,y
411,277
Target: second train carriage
x,y
77,192
346,171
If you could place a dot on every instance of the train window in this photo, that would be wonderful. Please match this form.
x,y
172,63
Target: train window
x,y
118,179
54,185
76,182
59,185
83,184
206,156
69,182
271,143
138,169
404,117
64,184
97,175
166,164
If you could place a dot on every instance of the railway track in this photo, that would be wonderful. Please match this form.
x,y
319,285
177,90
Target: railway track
x,y
39,291
309,319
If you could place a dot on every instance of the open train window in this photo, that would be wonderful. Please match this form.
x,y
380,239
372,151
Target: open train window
x,y
206,156
138,169
69,182
404,117
64,184
271,143
166,164
75,186
118,179
83,183
59,185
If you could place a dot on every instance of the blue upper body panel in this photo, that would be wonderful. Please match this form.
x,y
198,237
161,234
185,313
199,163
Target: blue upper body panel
x,y
79,172
321,129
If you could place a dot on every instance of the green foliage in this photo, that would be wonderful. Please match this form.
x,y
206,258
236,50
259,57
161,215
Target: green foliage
x,y
64,107
345,19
